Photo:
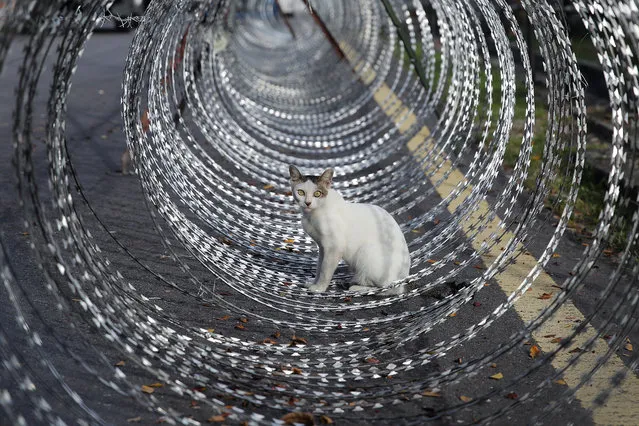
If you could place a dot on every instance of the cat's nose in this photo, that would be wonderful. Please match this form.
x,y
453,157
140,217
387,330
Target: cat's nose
x,y
308,203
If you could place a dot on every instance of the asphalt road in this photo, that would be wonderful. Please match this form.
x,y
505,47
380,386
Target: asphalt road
x,y
96,141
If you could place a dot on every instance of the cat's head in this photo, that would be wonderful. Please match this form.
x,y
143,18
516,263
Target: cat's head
x,y
310,192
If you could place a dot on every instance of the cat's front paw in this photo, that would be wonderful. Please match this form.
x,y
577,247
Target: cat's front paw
x,y
317,288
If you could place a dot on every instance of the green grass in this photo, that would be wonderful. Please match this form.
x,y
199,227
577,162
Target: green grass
x,y
590,200
584,49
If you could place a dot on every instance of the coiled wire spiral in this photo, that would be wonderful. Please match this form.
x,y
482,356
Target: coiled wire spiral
x,y
400,97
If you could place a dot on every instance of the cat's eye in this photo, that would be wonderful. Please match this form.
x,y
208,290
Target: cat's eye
x,y
300,192
317,194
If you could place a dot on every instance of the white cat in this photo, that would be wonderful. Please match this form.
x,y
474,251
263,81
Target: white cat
x,y
365,236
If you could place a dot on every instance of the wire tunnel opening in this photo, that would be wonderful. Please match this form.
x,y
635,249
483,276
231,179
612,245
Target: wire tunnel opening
x,y
436,111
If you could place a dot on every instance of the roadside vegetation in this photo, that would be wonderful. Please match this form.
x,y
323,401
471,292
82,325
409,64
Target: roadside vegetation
x,y
594,183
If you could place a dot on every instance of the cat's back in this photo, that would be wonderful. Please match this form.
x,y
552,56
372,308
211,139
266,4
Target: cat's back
x,y
370,218
362,210
378,252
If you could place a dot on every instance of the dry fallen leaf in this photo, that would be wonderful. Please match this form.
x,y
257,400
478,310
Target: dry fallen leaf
x,y
576,350
497,376
276,335
137,419
561,382
512,395
534,351
225,317
297,417
465,398
326,420
145,121
297,370
372,360
147,389
556,340
216,419
244,320
555,255
120,363
454,314
493,365
269,341
432,394
298,340
431,261
478,267
628,347
268,187
436,221
289,241
545,296
210,330
240,326
156,385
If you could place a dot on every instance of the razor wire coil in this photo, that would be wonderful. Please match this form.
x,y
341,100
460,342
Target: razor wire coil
x,y
215,107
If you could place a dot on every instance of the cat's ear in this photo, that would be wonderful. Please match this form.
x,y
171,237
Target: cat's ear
x,y
296,176
327,177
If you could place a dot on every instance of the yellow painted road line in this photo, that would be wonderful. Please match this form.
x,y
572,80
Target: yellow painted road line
x,y
622,406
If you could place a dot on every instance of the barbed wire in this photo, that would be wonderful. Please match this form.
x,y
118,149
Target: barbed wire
x,y
122,21
212,127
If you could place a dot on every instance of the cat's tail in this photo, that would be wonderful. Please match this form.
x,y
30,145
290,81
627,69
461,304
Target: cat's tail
x,y
364,284
394,291
389,292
